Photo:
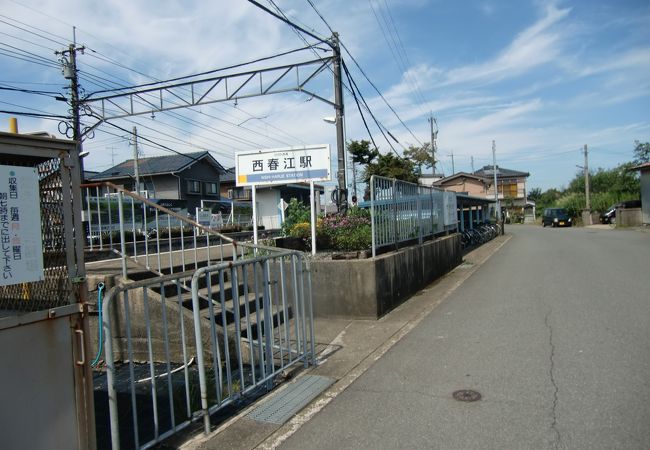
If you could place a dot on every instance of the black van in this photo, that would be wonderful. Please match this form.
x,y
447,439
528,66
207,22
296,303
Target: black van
x,y
556,217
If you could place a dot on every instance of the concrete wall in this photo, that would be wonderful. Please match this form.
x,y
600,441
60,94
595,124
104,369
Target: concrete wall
x,y
369,288
629,217
645,195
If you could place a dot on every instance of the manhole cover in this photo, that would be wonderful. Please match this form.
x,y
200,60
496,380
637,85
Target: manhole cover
x,y
467,395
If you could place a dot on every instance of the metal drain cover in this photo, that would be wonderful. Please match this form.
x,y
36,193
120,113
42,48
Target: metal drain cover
x,y
467,395
285,403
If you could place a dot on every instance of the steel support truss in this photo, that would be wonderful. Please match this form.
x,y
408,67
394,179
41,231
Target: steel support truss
x,y
231,87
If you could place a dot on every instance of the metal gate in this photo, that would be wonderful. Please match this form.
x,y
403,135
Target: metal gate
x,y
47,388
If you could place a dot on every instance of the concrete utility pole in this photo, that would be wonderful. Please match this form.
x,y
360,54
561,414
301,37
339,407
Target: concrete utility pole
x,y
338,105
434,135
496,188
453,167
136,168
588,201
70,73
472,159
354,179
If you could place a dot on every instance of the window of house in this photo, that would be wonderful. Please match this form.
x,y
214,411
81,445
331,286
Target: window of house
x,y
193,187
211,188
509,190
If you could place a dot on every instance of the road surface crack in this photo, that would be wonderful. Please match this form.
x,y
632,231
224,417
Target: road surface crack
x,y
551,371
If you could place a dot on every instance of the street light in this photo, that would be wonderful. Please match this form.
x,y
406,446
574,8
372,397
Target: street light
x,y
342,153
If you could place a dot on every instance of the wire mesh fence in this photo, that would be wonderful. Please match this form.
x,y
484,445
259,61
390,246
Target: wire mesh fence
x,y
403,212
55,289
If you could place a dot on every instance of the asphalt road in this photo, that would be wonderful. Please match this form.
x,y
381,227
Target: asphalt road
x,y
553,331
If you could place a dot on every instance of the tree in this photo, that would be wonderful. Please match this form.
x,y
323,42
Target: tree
x,y
535,194
641,152
361,152
376,163
421,156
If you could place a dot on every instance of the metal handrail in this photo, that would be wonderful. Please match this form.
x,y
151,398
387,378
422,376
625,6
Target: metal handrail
x,y
239,248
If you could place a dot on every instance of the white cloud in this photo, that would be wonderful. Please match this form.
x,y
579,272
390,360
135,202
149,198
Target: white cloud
x,y
538,44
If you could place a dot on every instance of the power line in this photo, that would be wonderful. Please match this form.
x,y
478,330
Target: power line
x,y
394,42
209,72
28,114
354,85
365,124
30,91
29,31
379,92
356,63
284,19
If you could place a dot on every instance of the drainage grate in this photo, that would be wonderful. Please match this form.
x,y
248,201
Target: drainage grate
x,y
285,403
466,395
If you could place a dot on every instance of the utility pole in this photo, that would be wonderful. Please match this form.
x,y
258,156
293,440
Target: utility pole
x,y
112,149
69,61
434,135
588,201
354,179
136,168
496,188
453,167
338,105
472,164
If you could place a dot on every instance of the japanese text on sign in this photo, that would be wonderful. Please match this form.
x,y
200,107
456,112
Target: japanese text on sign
x,y
21,247
283,166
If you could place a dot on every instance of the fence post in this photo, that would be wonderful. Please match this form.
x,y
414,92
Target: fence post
x,y
120,209
395,227
373,216
419,203
203,387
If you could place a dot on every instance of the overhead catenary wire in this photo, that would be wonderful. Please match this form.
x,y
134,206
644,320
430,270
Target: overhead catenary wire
x,y
30,114
354,85
356,101
348,88
396,47
97,80
286,20
208,72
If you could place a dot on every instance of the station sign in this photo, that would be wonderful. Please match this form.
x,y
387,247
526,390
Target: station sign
x,y
283,165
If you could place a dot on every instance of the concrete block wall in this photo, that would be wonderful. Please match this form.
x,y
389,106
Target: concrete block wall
x,y
370,288
630,217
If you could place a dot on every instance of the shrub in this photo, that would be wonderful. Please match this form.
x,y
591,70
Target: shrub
x,y
346,233
301,230
296,212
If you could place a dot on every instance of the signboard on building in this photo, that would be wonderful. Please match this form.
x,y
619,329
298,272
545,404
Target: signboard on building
x,y
283,165
21,244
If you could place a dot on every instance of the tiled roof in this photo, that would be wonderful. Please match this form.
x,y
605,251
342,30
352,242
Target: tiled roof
x,y
157,165
461,175
488,171
228,176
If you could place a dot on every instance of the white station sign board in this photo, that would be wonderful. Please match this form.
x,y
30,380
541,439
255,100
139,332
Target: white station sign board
x,y
21,243
283,165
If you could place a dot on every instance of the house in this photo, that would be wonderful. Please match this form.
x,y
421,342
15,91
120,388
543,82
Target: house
x,y
644,169
465,183
511,185
191,177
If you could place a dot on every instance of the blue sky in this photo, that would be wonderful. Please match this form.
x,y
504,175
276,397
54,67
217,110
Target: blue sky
x,y
541,78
